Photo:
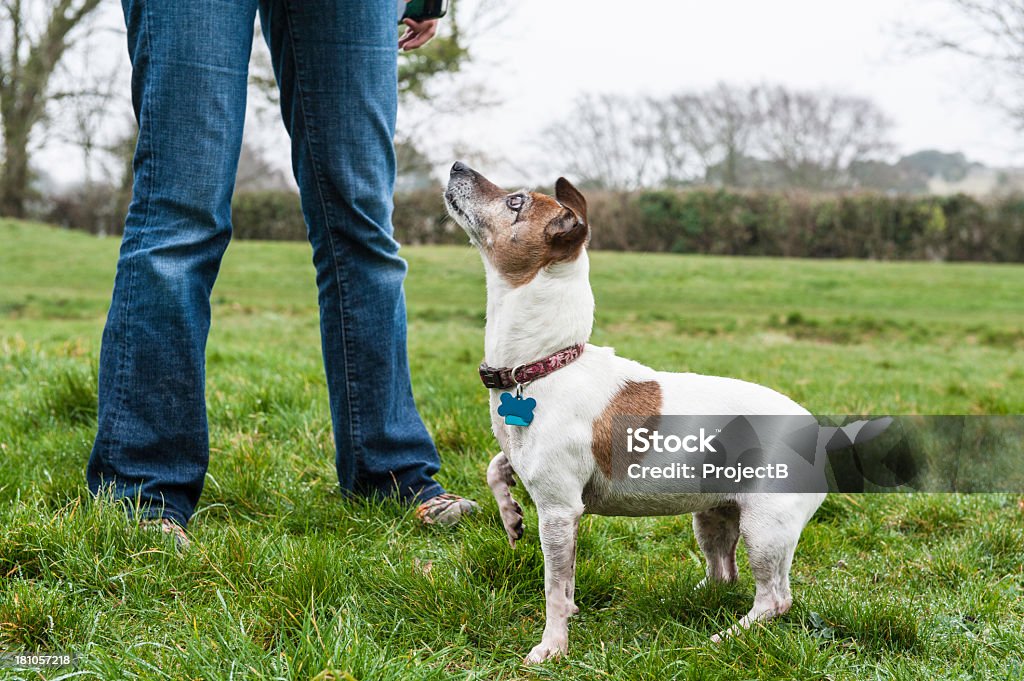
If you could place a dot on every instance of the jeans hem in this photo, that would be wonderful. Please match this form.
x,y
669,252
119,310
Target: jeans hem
x,y
161,513
404,495
424,494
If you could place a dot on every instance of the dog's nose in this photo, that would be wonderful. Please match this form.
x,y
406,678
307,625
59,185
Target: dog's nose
x,y
459,167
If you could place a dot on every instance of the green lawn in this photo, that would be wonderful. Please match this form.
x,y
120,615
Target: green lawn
x,y
285,579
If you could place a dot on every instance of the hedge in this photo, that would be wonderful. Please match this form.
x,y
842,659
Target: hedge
x,y
817,226
419,218
862,225
858,225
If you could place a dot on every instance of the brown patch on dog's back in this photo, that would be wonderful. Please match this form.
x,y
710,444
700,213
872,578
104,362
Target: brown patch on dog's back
x,y
635,398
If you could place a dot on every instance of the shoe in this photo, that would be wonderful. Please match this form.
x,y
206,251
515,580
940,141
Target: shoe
x,y
445,509
181,541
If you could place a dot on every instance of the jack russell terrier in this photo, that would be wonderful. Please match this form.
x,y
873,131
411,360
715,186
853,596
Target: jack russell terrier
x,y
540,312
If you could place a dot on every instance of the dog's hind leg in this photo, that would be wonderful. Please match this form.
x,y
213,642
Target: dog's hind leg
x,y
717,532
558,527
771,541
500,480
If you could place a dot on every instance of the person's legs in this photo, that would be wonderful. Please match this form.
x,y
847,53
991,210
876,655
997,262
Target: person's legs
x,y
336,64
189,71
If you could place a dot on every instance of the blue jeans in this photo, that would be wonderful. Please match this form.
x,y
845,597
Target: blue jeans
x,y
336,66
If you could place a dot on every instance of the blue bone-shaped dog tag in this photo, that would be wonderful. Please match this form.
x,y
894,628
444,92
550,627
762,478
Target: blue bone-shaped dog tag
x,y
516,410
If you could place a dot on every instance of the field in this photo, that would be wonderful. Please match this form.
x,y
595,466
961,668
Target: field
x,y
287,580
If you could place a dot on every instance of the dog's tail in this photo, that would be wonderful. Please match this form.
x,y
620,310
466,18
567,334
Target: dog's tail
x,y
854,433
871,453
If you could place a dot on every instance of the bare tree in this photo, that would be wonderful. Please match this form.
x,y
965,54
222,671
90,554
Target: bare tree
x,y
758,136
450,50
990,32
716,127
91,95
27,60
814,137
608,142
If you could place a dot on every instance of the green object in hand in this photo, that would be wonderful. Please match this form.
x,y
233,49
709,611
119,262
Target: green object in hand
x,y
420,10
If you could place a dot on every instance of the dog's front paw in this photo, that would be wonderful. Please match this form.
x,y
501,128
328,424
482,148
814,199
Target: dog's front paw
x,y
547,650
512,519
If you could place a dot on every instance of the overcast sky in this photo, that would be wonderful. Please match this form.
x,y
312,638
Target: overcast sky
x,y
547,52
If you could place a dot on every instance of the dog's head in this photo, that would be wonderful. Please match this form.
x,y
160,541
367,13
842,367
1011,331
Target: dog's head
x,y
520,233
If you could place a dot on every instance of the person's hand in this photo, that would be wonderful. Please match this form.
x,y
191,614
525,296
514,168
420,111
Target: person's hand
x,y
417,33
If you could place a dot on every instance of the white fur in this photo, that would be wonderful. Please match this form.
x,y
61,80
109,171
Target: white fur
x,y
553,456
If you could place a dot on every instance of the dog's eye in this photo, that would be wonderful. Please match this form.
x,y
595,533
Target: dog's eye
x,y
515,202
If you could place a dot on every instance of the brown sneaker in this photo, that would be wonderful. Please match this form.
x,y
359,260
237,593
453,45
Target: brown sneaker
x,y
181,541
445,509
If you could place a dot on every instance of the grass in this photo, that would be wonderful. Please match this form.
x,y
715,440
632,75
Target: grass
x,y
288,580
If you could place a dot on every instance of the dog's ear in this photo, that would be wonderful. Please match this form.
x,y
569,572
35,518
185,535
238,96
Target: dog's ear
x,y
571,198
566,235
568,232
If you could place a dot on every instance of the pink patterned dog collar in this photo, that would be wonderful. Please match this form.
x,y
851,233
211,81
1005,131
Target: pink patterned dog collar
x,y
507,377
